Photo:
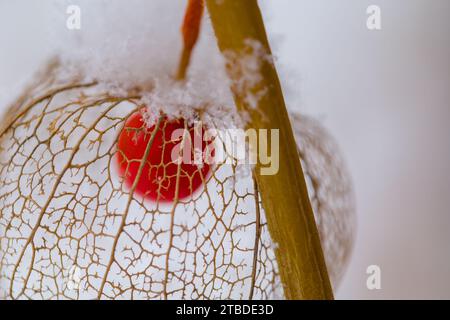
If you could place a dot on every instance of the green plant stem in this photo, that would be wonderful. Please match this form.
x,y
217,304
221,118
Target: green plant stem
x,y
284,195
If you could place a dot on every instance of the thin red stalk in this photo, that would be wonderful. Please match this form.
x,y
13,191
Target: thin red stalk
x,y
190,31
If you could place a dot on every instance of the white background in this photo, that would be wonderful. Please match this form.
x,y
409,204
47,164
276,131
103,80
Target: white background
x,y
384,95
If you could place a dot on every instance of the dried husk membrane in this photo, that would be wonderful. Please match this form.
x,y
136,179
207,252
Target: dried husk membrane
x,y
330,191
70,229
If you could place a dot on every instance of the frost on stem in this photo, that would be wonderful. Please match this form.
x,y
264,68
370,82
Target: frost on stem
x,y
244,68
70,229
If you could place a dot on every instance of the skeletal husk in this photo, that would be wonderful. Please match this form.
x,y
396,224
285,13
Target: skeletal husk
x,y
70,229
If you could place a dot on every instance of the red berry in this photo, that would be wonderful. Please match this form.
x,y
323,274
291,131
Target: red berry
x,y
158,180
